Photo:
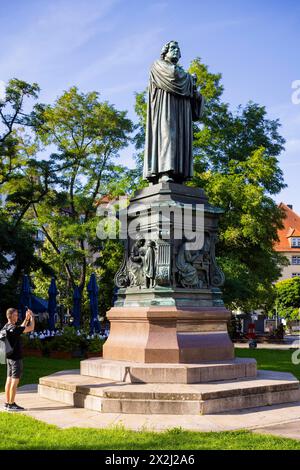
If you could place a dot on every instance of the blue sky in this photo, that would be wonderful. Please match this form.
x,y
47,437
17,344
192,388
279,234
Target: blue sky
x,y
108,46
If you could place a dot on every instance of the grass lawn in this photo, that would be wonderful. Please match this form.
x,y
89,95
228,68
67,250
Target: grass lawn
x,y
27,433
36,367
271,359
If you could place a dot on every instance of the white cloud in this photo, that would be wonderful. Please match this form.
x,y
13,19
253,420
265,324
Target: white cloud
x,y
57,31
124,87
131,50
2,91
296,94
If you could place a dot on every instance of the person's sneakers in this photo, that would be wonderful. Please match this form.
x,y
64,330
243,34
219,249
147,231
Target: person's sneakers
x,y
15,407
5,406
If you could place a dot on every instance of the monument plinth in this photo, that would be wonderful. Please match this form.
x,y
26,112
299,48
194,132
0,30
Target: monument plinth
x,y
169,307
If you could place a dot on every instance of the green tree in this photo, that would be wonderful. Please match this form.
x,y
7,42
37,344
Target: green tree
x,y
12,116
18,243
88,135
288,298
235,162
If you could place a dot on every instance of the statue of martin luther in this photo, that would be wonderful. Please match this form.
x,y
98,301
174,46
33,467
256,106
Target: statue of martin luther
x,y
173,104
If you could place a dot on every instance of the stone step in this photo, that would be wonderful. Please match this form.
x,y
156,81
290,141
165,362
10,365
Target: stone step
x,y
253,400
141,406
120,405
131,372
268,388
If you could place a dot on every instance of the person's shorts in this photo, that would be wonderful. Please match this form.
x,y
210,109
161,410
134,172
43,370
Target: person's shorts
x,y
14,368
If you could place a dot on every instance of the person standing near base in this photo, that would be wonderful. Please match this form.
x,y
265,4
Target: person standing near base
x,y
15,359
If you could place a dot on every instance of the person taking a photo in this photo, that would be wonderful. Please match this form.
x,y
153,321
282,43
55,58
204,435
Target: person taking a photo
x,y
15,359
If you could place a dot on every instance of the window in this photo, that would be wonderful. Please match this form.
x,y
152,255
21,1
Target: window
x,y
296,275
295,259
295,242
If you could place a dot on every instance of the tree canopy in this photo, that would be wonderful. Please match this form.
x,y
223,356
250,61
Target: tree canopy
x,y
288,298
57,195
18,243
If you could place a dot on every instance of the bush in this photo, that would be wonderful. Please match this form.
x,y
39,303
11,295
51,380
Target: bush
x,y
69,340
32,343
41,325
278,334
95,345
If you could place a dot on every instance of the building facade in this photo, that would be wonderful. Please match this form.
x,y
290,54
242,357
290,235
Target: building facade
x,y
289,242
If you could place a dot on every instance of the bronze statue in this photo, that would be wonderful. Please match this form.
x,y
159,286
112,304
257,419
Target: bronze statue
x,y
135,265
173,104
187,272
150,264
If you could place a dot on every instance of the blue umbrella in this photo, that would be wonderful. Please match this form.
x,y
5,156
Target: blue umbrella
x,y
52,304
76,307
25,297
39,305
93,295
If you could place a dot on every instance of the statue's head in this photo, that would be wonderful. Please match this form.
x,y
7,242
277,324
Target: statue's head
x,y
140,240
171,52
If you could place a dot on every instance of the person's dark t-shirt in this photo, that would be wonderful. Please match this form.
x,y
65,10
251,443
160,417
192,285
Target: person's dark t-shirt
x,y
14,337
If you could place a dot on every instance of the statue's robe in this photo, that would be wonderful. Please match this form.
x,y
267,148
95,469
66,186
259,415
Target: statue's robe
x,y
149,264
172,107
136,265
187,272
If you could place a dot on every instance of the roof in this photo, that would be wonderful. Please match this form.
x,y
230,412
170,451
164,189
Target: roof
x,y
291,229
106,199
294,232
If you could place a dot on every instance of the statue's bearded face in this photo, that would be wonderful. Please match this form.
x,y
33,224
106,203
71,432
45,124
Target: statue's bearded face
x,y
173,54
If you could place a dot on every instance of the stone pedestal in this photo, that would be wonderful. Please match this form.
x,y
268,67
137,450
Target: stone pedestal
x,y
143,334
177,316
162,373
168,335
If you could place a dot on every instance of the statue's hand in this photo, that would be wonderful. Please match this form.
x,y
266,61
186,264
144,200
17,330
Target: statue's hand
x,y
194,77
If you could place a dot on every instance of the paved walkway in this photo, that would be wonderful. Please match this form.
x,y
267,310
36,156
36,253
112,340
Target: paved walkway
x,y
285,346
282,420
289,429
290,342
